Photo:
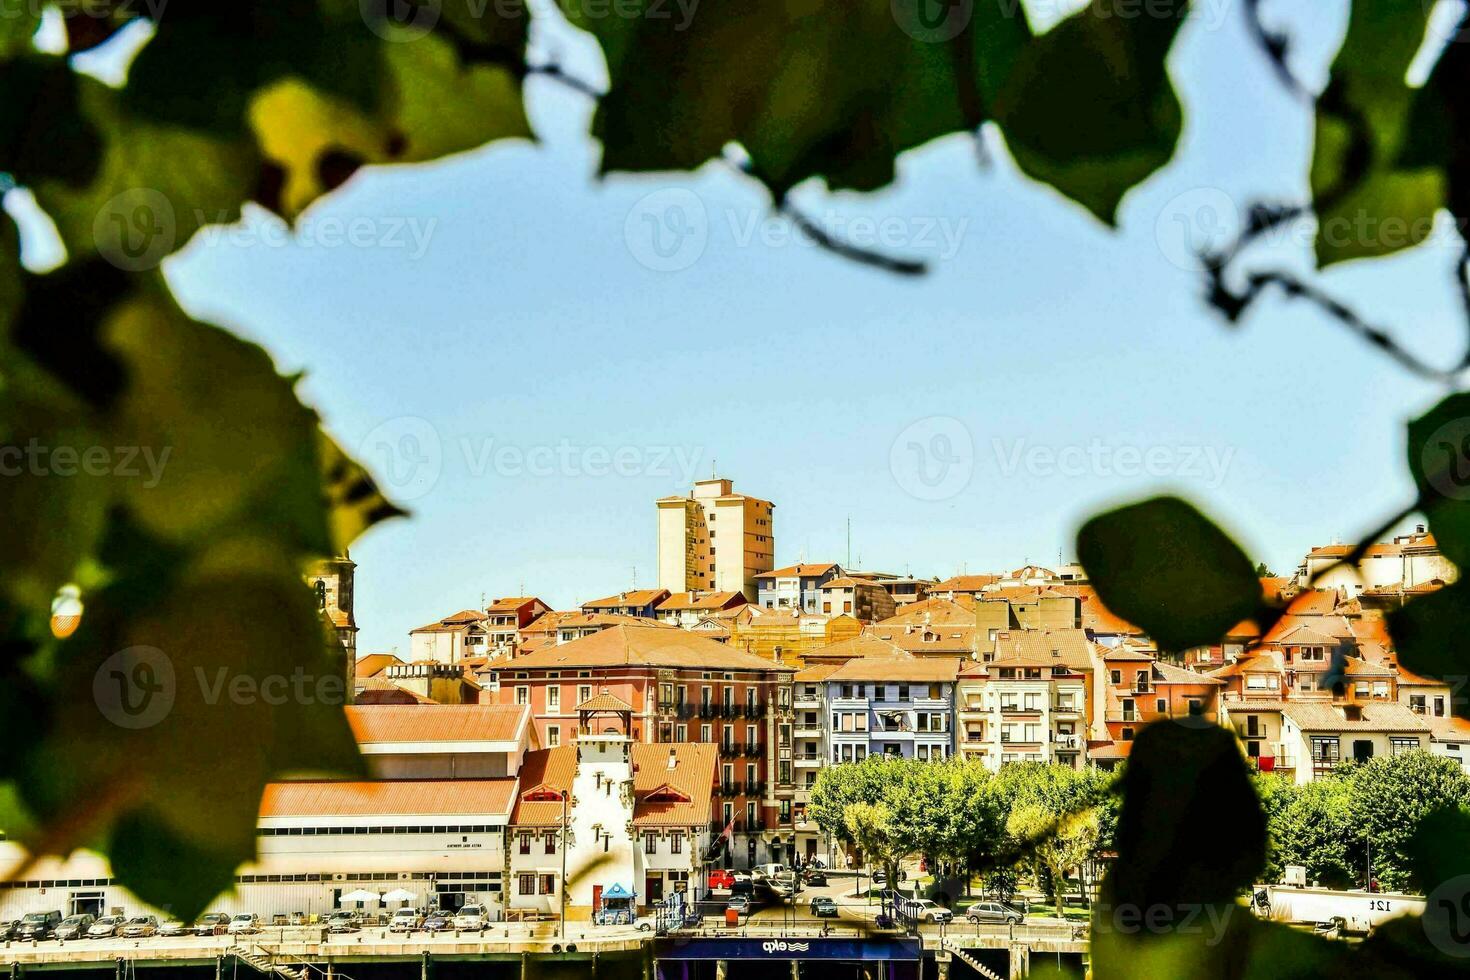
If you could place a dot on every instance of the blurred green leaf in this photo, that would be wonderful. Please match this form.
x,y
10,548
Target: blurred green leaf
x,y
1164,566
157,184
1369,199
44,134
820,89
216,427
353,499
1432,636
1439,459
17,27
145,852
167,701
1089,107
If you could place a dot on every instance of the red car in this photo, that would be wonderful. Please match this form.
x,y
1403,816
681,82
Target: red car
x,y
721,879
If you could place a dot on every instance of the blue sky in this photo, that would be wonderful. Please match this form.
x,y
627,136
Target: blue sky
x,y
535,317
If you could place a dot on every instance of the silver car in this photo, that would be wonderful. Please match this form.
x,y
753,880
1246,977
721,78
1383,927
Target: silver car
x,y
106,927
75,926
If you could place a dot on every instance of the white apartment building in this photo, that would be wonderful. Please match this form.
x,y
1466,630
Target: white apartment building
x,y
1307,739
1022,709
810,752
714,540
1408,561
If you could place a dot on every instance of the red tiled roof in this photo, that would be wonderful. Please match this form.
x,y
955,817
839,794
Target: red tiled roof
x,y
639,597
437,723
543,772
802,571
897,669
392,797
682,796
700,600
646,645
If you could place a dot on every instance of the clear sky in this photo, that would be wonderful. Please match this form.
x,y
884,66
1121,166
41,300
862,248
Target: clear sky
x,y
485,370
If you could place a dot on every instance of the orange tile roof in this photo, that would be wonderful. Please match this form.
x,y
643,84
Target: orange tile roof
x,y
681,796
638,597
513,603
374,663
939,612
544,772
584,620
389,798
801,571
964,583
700,600
548,621
646,645
898,669
603,701
438,723
380,690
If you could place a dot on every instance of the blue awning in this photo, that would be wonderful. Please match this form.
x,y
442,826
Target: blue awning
x,y
617,891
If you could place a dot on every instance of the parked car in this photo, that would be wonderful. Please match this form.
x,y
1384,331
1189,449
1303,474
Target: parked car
x,y
244,922
74,926
471,918
7,926
174,927
741,904
994,912
721,878
212,924
140,927
923,910
37,925
106,927
405,920
437,921
824,907
741,882
344,920
816,878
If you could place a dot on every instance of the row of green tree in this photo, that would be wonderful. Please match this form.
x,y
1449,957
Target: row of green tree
x,y
1047,820
1050,822
1359,820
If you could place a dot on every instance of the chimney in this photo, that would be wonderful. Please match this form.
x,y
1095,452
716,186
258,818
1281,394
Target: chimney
x,y
673,758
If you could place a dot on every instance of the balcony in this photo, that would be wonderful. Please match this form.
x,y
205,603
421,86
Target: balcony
x,y
755,750
731,788
684,709
1065,708
732,750
731,710
708,710
1019,709
666,707
809,701
811,759
755,787
757,824
1070,742
807,731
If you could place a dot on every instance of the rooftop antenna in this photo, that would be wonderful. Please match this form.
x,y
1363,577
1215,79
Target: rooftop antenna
x,y
482,600
714,468
849,540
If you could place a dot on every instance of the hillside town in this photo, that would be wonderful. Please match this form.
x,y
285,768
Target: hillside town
x,y
659,733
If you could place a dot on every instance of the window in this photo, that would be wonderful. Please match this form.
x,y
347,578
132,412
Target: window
x,y
526,884
525,842
650,843
1325,751
551,842
1398,746
584,693
676,842
553,736
784,770
681,733
553,697
548,884
523,695
1127,735
1116,677
1162,705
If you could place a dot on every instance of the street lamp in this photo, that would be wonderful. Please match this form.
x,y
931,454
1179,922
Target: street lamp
x,y
565,798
